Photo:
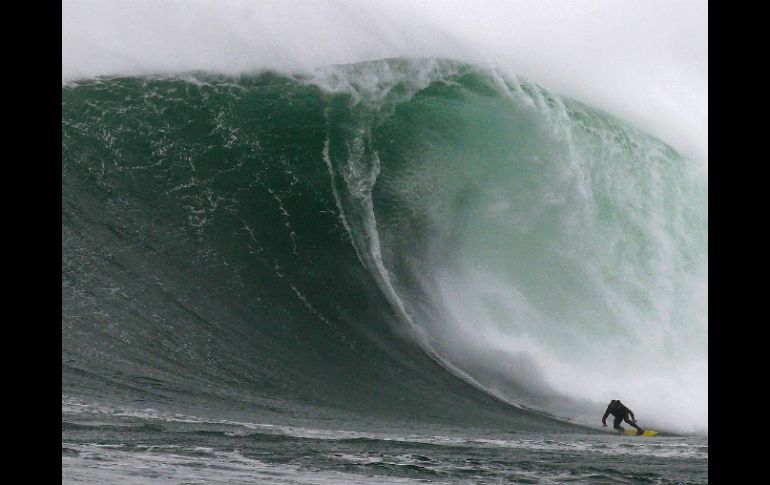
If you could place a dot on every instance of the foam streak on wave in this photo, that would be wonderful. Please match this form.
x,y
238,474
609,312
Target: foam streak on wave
x,y
578,189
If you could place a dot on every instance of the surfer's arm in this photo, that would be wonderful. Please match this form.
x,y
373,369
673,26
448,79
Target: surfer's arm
x,y
604,418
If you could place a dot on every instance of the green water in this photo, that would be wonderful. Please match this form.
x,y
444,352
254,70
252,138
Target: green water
x,y
387,271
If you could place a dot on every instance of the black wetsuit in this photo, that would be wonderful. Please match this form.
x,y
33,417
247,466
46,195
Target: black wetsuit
x,y
621,413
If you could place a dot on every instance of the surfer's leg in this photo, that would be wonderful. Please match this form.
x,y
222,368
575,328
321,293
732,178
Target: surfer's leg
x,y
640,430
617,425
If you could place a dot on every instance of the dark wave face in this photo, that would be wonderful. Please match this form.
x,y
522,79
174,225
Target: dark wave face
x,y
412,241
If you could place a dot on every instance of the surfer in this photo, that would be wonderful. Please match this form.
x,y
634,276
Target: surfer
x,y
621,413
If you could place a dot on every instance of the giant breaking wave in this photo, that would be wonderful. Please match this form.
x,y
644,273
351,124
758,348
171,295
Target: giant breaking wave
x,y
403,238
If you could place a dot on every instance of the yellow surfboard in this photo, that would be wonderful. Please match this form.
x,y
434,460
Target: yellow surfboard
x,y
634,432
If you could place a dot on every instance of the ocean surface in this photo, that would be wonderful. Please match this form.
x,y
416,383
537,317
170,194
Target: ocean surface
x,y
396,271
